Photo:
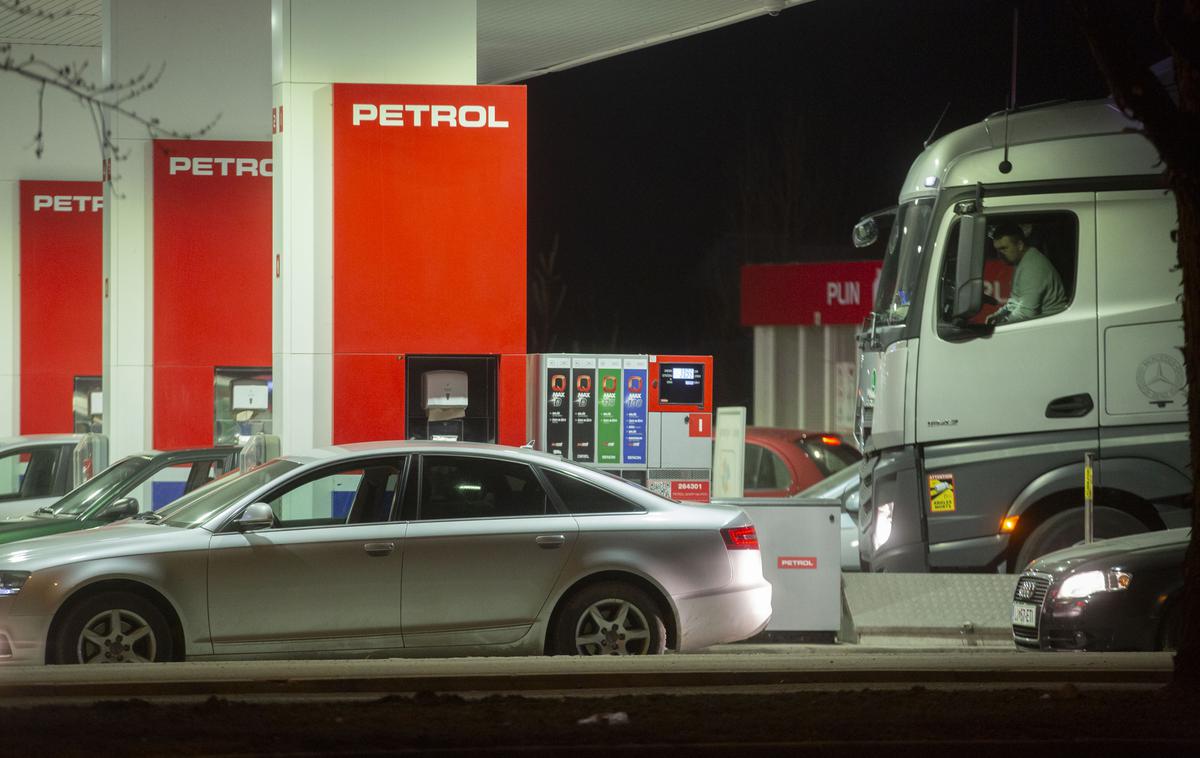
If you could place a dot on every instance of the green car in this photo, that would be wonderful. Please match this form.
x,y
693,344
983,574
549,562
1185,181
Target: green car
x,y
137,483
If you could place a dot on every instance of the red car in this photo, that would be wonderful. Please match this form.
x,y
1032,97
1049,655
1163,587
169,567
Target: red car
x,y
781,462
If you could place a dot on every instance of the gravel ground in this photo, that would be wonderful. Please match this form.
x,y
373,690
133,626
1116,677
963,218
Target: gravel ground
x,y
1063,721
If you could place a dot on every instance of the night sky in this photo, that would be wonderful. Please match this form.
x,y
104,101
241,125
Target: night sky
x,y
660,172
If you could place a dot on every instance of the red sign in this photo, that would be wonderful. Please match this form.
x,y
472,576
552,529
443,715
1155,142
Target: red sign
x,y
212,277
796,562
700,425
696,491
808,293
428,244
61,310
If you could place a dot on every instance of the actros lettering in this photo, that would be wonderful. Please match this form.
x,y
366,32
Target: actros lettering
x,y
219,166
396,114
68,203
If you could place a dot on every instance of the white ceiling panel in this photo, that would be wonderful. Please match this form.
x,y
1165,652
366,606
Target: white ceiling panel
x,y
518,39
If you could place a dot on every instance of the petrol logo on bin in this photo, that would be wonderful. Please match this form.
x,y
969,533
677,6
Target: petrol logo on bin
x,y
796,562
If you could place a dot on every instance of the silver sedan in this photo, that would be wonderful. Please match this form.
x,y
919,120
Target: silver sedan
x,y
405,548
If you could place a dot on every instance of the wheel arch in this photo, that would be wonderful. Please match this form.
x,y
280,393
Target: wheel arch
x,y
131,586
656,593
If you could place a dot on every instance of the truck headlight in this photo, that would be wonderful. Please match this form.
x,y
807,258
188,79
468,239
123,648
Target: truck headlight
x,y
11,582
883,525
1088,583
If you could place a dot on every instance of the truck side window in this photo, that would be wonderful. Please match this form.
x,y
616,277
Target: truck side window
x,y
1029,267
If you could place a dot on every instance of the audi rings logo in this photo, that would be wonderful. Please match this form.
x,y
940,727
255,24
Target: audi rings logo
x,y
1025,589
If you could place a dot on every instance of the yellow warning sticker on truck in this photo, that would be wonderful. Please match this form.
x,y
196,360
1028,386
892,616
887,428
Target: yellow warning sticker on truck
x,y
941,493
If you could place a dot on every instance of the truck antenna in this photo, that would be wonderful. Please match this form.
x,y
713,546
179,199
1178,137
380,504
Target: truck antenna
x,y
1006,165
937,124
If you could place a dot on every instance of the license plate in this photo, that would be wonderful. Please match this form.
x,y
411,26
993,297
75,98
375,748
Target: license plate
x,y
1024,614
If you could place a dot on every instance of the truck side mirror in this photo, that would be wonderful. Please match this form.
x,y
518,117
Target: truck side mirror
x,y
968,273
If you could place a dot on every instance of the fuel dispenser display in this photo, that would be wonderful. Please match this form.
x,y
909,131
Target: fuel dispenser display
x,y
87,405
241,403
647,418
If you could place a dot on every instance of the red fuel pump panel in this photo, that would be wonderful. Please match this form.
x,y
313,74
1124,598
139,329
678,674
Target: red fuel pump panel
x,y
681,383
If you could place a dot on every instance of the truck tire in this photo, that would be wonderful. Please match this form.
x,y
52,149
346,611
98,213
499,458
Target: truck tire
x,y
1066,529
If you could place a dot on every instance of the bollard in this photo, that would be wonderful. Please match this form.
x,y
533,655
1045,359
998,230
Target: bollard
x,y
1088,460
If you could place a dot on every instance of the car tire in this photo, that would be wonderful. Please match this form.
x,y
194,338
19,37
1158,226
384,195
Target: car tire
x,y
113,627
1065,529
609,618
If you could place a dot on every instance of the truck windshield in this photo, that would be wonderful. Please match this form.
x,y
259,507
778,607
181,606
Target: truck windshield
x,y
898,282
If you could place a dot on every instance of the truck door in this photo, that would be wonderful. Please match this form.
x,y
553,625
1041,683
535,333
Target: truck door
x,y
993,411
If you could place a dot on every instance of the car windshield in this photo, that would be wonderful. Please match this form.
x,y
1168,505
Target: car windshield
x,y
200,505
827,453
103,488
832,487
899,279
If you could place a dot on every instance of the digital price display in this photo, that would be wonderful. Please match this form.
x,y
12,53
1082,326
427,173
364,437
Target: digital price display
x,y
681,383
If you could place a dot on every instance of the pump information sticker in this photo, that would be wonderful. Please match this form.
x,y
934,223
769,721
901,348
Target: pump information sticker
x,y
583,415
608,415
633,405
558,427
941,493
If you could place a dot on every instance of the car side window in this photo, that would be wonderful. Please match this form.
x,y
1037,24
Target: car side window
x,y
581,497
751,461
356,493
28,473
460,487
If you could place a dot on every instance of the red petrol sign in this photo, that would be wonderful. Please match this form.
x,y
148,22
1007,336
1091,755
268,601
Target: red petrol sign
x,y
808,293
695,491
796,562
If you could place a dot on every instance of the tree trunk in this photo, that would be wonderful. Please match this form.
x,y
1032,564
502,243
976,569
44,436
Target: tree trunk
x,y
1174,130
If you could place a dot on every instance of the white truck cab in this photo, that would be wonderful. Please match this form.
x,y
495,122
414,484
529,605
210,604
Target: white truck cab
x,y
975,424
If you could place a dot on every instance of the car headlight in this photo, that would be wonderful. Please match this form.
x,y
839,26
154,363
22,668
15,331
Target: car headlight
x,y
1088,583
11,582
883,525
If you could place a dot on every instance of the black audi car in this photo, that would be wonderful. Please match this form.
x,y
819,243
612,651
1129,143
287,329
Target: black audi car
x,y
1116,594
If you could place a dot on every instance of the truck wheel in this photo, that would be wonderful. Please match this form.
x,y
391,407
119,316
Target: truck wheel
x,y
609,618
113,627
1066,529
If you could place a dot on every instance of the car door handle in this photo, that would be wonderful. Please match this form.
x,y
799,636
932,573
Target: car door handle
x,y
379,549
1071,406
550,541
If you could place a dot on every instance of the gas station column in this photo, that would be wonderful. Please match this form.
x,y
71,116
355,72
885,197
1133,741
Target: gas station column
x,y
214,61
315,44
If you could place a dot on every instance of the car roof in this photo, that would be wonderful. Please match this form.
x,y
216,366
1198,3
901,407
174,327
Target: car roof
x,y
418,446
765,432
39,439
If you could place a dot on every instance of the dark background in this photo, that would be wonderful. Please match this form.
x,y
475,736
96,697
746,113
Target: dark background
x,y
654,175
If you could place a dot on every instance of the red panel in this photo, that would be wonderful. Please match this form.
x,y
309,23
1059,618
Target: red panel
x,y
183,391
212,276
512,401
808,293
655,406
369,402
429,230
700,425
61,308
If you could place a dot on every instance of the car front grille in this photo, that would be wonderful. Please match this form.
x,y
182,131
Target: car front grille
x,y
1031,588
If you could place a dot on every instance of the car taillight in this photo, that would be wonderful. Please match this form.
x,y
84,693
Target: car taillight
x,y
740,537
830,440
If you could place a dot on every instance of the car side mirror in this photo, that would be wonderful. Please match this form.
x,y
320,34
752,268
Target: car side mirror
x,y
256,516
119,509
968,272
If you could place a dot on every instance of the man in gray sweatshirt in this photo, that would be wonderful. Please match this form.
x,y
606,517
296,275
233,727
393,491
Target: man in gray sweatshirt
x,y
1037,289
